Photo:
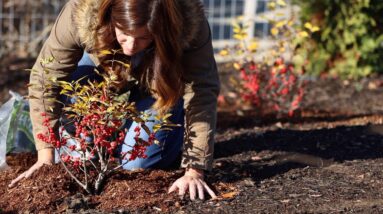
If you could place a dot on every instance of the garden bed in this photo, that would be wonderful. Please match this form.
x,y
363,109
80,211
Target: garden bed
x,y
327,158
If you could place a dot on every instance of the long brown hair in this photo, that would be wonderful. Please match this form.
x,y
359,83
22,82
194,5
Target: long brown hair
x,y
160,70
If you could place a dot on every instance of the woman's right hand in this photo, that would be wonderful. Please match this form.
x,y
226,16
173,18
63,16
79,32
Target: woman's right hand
x,y
44,156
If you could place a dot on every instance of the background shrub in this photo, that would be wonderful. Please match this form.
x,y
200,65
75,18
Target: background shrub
x,y
350,42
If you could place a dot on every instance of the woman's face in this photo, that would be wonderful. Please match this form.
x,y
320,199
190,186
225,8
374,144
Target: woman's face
x,y
134,41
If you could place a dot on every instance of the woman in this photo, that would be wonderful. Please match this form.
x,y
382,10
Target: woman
x,y
168,43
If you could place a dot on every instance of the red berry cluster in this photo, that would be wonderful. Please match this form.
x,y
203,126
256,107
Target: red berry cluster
x,y
49,136
140,146
105,133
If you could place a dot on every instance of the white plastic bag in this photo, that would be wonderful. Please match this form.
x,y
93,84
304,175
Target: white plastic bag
x,y
15,128
5,119
20,137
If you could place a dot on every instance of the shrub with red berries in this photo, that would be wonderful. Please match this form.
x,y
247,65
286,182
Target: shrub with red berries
x,y
277,88
271,80
98,115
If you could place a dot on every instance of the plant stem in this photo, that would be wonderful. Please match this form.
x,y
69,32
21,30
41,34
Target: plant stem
x,y
85,169
84,186
101,177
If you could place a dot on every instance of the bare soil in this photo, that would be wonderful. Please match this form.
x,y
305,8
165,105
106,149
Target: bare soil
x,y
327,158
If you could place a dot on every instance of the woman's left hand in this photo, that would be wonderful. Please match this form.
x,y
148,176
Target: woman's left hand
x,y
192,181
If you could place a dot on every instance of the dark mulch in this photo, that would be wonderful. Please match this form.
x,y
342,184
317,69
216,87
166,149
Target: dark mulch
x,y
52,190
328,170
328,158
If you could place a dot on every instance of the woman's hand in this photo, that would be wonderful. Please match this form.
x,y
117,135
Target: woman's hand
x,y
45,156
192,181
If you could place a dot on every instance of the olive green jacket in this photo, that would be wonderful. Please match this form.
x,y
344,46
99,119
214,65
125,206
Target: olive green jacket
x,y
74,32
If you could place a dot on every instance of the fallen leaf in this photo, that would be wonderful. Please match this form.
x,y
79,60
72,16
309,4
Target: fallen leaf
x,y
229,195
285,201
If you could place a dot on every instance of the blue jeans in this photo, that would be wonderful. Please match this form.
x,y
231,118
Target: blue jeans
x,y
161,156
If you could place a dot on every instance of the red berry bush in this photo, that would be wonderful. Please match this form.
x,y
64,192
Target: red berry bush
x,y
271,80
98,115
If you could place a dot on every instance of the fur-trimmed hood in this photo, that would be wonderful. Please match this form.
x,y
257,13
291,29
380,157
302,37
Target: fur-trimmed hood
x,y
85,20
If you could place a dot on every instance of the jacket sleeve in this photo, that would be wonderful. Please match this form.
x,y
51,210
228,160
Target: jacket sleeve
x,y
200,101
64,46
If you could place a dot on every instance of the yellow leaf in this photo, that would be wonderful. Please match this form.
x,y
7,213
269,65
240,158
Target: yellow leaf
x,y
241,36
63,91
308,25
271,5
253,46
290,23
68,87
303,34
166,116
67,109
114,77
280,24
281,3
315,29
126,65
101,84
86,99
105,52
53,79
237,29
156,127
239,52
63,82
237,66
235,25
224,52
274,31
